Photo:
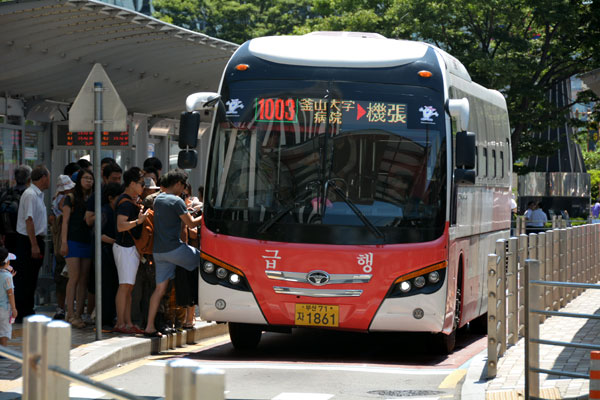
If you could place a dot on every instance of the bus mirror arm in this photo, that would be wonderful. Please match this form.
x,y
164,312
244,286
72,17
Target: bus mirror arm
x,y
459,110
201,101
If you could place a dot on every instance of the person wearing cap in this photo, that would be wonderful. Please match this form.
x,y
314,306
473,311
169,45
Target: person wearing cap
x,y
64,186
32,224
8,309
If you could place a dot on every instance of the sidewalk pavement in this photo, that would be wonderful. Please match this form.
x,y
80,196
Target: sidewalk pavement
x,y
89,356
509,382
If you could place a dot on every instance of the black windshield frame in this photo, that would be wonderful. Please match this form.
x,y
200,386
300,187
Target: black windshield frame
x,y
329,148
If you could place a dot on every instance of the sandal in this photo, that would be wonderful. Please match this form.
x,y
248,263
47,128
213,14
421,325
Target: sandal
x,y
135,329
76,322
188,326
152,334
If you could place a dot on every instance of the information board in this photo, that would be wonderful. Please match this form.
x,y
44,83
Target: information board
x,y
64,139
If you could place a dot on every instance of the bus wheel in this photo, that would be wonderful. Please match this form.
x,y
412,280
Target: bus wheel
x,y
244,336
479,325
446,343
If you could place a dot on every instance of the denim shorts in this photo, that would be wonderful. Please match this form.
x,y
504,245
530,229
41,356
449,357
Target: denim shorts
x,y
184,256
79,249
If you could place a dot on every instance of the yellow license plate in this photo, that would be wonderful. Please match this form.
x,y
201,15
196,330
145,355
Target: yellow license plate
x,y
317,315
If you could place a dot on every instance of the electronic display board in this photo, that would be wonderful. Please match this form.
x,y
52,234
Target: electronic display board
x,y
63,139
341,112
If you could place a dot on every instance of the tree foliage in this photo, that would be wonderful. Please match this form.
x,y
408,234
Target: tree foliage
x,y
520,47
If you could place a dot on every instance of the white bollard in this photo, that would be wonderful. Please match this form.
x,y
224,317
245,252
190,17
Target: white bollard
x,y
56,348
33,333
210,384
180,380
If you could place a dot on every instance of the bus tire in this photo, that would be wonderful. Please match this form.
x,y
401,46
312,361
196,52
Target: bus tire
x,y
479,325
446,343
244,336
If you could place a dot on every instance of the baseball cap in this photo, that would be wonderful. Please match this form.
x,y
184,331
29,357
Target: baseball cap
x,y
10,257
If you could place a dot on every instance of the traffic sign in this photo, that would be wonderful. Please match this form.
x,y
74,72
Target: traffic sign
x,y
81,114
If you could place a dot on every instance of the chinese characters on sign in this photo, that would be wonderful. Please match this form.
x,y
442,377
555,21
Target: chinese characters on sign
x,y
366,261
286,110
271,259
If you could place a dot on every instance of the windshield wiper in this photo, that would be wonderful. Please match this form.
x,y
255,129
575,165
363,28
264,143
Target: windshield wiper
x,y
268,224
374,230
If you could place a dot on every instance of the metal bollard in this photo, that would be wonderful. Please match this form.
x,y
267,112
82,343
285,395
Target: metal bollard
x,y
513,292
555,270
56,348
493,329
548,289
501,294
180,380
563,268
542,259
594,375
210,384
33,333
521,282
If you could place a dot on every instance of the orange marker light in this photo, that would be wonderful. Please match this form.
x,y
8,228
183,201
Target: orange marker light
x,y
424,74
242,67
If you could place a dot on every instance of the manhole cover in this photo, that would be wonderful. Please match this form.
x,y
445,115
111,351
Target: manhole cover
x,y
405,393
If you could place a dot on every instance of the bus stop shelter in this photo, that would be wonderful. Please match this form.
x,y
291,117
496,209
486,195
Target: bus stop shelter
x,y
48,48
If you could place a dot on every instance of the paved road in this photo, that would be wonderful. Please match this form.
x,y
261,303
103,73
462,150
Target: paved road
x,y
314,365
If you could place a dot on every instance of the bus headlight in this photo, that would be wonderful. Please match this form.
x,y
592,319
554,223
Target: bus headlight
x,y
234,279
221,273
208,267
419,281
434,277
404,286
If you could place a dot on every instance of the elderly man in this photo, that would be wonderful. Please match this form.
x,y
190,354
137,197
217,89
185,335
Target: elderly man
x,y
32,223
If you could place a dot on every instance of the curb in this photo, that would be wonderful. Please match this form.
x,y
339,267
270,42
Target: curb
x,y
105,354
475,381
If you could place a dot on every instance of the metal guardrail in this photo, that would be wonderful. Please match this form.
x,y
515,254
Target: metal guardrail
x,y
535,306
565,255
46,374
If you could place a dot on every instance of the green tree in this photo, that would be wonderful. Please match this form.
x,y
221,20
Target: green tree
x,y
232,20
519,47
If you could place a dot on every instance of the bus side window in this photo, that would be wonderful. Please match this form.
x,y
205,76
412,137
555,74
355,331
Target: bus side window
x,y
485,162
476,160
502,163
493,163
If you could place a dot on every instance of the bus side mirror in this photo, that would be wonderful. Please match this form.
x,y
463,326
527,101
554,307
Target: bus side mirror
x,y
465,150
189,122
187,159
201,101
464,157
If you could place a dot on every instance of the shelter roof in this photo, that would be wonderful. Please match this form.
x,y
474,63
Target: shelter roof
x,y
48,48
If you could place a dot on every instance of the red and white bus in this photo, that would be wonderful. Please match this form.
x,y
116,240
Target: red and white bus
x,y
343,190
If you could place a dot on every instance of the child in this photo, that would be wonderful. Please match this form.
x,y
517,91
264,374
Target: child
x,y
8,310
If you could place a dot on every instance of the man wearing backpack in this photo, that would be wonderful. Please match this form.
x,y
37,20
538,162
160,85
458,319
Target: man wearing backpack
x,y
169,250
9,207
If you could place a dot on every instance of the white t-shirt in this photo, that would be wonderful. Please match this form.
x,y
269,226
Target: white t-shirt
x,y
32,205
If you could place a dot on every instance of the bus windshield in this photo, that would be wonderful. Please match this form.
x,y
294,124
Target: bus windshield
x,y
328,162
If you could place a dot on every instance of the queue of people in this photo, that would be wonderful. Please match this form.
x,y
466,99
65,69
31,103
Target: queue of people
x,y
129,198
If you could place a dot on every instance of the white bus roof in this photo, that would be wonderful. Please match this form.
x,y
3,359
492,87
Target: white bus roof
x,y
347,50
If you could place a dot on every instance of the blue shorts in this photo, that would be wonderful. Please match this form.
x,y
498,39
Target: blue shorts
x,y
79,249
184,256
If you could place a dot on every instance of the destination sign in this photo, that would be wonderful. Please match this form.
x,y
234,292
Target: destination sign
x,y
334,112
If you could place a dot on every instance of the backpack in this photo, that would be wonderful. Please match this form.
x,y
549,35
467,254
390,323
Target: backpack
x,y
9,209
145,243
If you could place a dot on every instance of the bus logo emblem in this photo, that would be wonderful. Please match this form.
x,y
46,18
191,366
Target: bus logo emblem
x,y
428,112
317,278
232,107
